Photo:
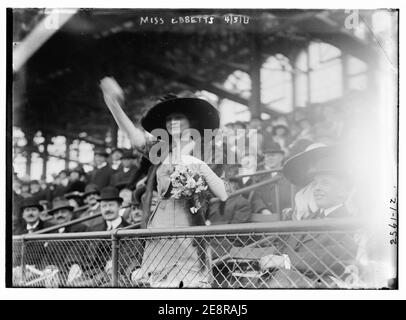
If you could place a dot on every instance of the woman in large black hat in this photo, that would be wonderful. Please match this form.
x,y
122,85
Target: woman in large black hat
x,y
169,263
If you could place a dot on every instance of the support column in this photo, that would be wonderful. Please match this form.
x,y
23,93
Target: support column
x,y
114,135
308,82
255,74
68,142
29,146
45,158
344,68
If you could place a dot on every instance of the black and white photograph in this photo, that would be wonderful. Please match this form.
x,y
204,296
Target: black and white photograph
x,y
202,148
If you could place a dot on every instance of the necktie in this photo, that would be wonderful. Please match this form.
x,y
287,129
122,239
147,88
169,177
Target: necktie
x,y
318,214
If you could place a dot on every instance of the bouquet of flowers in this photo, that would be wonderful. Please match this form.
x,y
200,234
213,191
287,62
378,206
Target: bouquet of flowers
x,y
188,183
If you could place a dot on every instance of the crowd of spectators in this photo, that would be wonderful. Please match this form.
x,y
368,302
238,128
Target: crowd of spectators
x,y
115,190
279,138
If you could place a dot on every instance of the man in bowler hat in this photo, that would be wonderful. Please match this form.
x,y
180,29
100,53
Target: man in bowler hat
x,y
31,210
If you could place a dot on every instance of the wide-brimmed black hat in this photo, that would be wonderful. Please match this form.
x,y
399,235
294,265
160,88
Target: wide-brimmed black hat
x,y
272,147
31,202
91,189
330,165
200,113
110,194
60,203
296,169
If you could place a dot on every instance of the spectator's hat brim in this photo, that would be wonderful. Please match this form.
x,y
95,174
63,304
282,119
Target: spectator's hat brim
x,y
119,199
74,195
31,203
84,195
90,189
55,209
200,113
110,194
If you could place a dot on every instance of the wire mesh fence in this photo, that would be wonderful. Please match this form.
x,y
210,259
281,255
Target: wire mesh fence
x,y
243,256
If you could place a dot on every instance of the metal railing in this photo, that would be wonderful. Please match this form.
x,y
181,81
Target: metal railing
x,y
287,254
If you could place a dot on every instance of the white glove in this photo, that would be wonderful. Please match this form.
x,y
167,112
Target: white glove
x,y
74,273
108,267
111,89
274,261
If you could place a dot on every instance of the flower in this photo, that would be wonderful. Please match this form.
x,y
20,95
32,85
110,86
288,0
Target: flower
x,y
187,183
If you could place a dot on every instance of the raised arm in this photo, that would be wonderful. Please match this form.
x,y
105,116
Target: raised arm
x,y
114,97
215,183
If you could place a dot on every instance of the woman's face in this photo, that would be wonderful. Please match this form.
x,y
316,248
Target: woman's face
x,y
177,123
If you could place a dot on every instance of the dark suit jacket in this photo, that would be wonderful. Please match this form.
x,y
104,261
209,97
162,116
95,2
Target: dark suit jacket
x,y
92,222
76,186
103,226
80,227
268,195
101,177
35,251
255,200
121,177
236,210
323,253
23,227
130,257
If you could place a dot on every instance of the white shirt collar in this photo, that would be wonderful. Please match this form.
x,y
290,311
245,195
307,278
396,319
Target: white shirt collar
x,y
95,206
116,164
102,165
331,209
32,226
111,225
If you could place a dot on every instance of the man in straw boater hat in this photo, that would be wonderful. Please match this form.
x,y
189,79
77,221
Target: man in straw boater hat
x,y
313,260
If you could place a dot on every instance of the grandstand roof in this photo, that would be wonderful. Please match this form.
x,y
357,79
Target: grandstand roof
x,y
57,90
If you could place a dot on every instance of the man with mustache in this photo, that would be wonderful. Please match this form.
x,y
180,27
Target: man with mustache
x,y
31,210
91,198
62,212
32,223
110,203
